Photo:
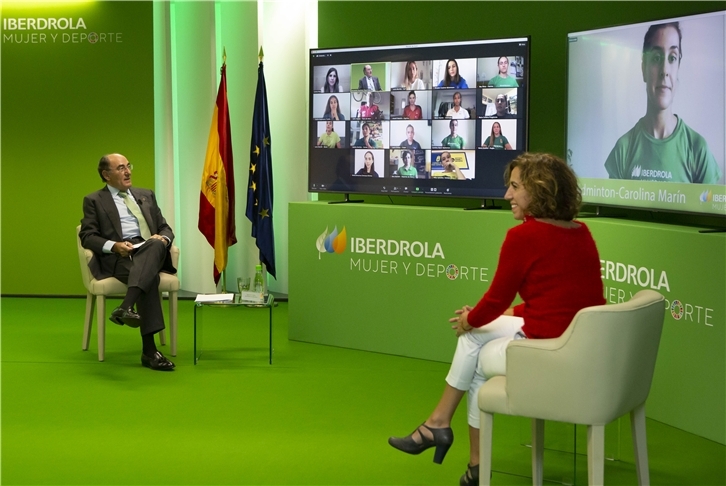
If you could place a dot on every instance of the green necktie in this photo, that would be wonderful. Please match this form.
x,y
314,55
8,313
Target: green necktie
x,y
134,208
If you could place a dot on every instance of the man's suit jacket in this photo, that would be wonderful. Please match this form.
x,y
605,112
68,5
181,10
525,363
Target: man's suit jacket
x,y
101,222
363,83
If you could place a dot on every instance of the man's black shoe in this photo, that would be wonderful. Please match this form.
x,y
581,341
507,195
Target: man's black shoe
x,y
125,316
157,362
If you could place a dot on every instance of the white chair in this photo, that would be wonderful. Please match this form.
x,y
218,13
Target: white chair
x,y
598,370
98,290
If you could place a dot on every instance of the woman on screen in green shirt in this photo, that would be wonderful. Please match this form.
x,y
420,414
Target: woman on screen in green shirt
x,y
408,170
661,147
496,140
453,141
329,139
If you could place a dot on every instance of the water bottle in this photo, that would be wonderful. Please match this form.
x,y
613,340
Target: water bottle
x,y
258,285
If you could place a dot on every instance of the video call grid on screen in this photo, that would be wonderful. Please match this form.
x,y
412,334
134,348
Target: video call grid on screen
x,y
422,129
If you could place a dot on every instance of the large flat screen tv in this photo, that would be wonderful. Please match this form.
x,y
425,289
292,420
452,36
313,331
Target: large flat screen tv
x,y
428,119
646,114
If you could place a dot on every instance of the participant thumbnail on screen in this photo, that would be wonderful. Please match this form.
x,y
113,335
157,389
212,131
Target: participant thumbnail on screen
x,y
410,134
453,134
498,103
499,134
452,164
370,105
453,73
411,105
458,104
331,106
369,134
331,134
331,79
411,75
371,76
505,71
364,163
407,163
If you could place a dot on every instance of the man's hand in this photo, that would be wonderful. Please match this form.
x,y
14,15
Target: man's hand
x,y
163,239
123,248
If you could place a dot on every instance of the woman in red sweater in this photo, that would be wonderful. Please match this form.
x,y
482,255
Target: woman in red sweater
x,y
551,261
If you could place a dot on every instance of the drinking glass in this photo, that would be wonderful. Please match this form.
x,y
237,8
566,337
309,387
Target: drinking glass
x,y
243,284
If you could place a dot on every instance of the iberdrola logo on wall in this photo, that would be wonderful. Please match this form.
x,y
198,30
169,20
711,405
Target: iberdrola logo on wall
x,y
333,242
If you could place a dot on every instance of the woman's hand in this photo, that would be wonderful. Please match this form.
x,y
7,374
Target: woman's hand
x,y
462,324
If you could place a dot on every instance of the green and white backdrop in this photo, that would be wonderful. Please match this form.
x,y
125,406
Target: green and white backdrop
x,y
387,279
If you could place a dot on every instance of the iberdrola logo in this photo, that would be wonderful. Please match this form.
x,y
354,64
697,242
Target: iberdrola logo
x,y
706,196
331,243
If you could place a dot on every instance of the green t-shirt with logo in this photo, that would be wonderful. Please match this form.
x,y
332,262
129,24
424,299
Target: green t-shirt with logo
x,y
682,157
410,172
500,82
453,142
499,142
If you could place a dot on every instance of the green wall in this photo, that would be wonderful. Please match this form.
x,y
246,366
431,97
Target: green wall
x,y
64,105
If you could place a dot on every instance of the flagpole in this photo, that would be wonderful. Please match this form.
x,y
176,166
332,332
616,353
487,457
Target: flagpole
x,y
224,271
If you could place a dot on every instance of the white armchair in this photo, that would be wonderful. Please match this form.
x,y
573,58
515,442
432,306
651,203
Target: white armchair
x,y
98,290
598,370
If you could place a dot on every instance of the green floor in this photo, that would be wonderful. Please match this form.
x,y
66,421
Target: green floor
x,y
318,415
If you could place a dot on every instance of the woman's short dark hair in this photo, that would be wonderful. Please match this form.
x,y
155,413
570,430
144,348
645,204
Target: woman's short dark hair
x,y
653,29
551,184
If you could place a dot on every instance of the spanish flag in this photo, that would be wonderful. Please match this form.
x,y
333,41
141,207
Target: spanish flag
x,y
216,200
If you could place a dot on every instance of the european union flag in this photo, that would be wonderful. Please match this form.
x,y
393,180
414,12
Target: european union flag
x,y
259,191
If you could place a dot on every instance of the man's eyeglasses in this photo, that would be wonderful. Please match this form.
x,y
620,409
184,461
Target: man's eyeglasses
x,y
122,168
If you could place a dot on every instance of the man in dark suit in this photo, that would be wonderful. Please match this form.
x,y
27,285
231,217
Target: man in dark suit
x,y
369,81
115,221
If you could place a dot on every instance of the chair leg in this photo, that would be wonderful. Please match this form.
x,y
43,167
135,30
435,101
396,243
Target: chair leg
x,y
596,454
485,448
537,451
162,334
173,320
88,320
640,444
101,331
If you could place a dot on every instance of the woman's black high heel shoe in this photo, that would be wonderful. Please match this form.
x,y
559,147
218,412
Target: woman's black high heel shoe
x,y
442,440
470,477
